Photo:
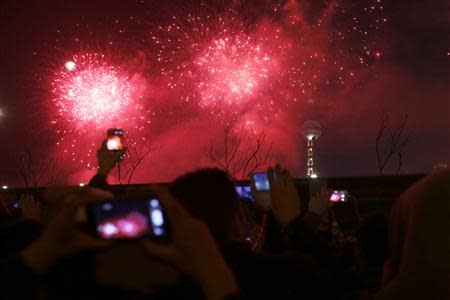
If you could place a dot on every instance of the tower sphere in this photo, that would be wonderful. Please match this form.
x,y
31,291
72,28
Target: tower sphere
x,y
312,130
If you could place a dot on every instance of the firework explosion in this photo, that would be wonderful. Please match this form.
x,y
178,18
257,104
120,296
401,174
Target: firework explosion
x,y
87,89
230,69
217,61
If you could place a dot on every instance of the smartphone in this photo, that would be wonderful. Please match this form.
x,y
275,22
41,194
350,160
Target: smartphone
x,y
244,192
261,181
261,193
339,196
16,204
128,219
115,140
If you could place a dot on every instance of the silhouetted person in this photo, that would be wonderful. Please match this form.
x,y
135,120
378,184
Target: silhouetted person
x,y
372,241
418,266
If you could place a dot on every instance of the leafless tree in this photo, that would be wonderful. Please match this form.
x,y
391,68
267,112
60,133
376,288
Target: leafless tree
x,y
396,143
241,152
36,170
137,151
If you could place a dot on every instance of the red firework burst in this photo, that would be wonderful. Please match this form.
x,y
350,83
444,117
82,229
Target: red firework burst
x,y
223,63
230,69
88,89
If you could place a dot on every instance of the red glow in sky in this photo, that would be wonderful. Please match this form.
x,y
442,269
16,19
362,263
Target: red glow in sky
x,y
219,63
177,72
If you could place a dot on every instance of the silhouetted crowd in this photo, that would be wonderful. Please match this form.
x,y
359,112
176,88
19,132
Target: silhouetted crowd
x,y
206,242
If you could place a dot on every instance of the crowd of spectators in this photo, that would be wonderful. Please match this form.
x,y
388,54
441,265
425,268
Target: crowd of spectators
x,y
221,247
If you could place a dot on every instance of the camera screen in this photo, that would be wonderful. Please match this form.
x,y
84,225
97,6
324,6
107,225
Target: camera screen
x,y
16,204
115,140
261,182
338,196
244,192
129,219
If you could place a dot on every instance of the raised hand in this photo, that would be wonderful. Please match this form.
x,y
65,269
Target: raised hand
x,y
31,208
320,202
61,236
107,159
284,195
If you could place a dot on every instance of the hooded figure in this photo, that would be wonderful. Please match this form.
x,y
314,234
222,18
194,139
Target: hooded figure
x,y
418,265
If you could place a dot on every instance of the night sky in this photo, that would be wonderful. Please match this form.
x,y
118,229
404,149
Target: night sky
x,y
183,71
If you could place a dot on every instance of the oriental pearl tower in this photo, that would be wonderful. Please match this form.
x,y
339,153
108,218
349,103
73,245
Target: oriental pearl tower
x,y
311,131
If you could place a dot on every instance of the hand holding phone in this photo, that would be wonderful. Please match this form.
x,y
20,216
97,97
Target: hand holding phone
x,y
61,235
111,152
284,196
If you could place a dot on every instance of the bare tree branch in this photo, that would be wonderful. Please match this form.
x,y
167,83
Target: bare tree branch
x,y
135,155
238,143
397,143
36,170
213,157
242,152
400,163
253,155
383,125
